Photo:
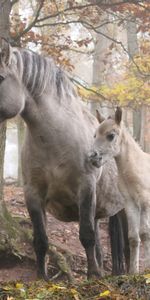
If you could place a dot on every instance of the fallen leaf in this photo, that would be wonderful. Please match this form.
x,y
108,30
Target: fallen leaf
x,y
19,285
105,293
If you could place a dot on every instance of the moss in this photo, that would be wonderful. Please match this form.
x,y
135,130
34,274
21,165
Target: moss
x,y
11,234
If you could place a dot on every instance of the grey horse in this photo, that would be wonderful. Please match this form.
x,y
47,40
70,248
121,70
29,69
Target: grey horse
x,y
58,176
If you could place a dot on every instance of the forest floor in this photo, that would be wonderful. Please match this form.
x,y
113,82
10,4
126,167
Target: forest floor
x,y
63,235
18,276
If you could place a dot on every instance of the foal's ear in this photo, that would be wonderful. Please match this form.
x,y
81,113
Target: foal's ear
x,y
99,117
118,115
5,51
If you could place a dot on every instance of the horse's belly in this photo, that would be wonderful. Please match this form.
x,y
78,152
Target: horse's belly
x,y
109,208
109,200
62,204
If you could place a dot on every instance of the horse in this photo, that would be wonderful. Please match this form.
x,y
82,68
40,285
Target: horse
x,y
113,140
57,174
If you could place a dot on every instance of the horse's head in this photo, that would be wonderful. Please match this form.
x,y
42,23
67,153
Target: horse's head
x,y
106,139
11,91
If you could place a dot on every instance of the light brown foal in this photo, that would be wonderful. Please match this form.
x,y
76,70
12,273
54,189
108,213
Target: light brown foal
x,y
113,140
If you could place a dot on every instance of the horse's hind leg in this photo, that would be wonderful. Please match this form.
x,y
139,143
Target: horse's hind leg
x,y
116,241
123,218
118,231
40,240
87,227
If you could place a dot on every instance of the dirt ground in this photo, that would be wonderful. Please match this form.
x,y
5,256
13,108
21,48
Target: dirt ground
x,y
63,235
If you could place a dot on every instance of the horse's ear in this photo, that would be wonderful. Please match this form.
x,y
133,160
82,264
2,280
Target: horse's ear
x,y
5,51
99,117
118,115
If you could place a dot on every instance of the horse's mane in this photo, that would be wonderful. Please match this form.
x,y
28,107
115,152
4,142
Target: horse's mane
x,y
40,74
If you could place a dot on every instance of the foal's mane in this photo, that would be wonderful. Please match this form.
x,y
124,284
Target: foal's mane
x,y
40,74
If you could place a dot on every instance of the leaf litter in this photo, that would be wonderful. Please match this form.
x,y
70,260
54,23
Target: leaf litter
x,y
109,288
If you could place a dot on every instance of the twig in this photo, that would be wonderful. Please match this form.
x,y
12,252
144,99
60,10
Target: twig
x,y
56,276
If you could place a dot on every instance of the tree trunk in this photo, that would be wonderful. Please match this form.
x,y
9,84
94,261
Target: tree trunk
x,y
20,131
5,8
132,38
11,234
99,66
133,50
2,153
20,122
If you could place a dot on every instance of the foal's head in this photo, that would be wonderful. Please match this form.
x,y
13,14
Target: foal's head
x,y
107,139
11,92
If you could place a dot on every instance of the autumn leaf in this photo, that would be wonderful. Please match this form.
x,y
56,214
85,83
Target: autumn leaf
x,y
19,285
105,293
147,277
74,293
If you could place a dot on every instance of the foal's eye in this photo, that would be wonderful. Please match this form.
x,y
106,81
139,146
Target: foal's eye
x,y
94,136
110,136
1,78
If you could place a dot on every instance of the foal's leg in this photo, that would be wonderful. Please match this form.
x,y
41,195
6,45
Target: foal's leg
x,y
40,240
133,216
87,207
99,252
145,234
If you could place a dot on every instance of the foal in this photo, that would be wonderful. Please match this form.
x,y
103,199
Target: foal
x,y
113,140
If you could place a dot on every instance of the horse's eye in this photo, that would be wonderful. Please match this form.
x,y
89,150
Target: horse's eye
x,y
1,78
94,135
110,136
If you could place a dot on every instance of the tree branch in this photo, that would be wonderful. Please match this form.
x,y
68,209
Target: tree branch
x,y
18,36
95,29
98,3
87,88
70,22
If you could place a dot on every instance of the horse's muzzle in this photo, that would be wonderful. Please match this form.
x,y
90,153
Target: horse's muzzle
x,y
96,159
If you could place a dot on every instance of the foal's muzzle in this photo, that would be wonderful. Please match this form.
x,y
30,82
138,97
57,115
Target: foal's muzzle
x,y
95,158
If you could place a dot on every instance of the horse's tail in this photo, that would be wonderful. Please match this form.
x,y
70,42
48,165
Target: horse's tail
x,y
118,230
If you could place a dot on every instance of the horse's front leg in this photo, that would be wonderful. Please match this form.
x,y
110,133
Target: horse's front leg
x,y
87,208
40,240
133,216
98,247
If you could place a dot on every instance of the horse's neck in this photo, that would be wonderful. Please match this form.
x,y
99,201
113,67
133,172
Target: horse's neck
x,y
51,99
130,153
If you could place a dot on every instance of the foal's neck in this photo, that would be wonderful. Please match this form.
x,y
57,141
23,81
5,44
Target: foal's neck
x,y
129,154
